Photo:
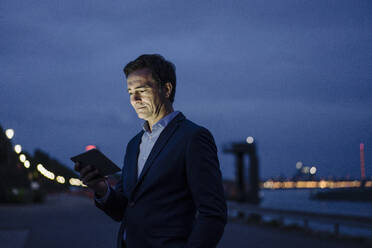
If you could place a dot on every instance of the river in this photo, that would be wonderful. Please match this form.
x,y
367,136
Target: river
x,y
299,199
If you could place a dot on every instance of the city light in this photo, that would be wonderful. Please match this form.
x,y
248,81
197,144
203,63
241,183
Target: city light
x,y
289,185
9,133
306,169
35,185
299,165
22,158
250,140
45,172
15,191
27,164
76,182
323,184
18,149
270,184
48,174
313,170
60,179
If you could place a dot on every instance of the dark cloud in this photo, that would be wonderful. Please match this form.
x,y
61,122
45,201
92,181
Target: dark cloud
x,y
294,74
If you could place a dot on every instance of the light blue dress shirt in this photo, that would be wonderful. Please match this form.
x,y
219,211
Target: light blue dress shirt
x,y
150,137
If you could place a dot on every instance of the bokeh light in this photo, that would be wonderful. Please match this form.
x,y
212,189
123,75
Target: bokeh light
x,y
250,140
60,179
299,165
9,133
27,164
313,170
22,158
18,149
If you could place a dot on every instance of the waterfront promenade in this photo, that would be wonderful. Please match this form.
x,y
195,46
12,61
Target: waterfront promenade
x,y
66,220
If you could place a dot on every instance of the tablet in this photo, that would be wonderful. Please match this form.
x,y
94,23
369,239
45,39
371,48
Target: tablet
x,y
97,159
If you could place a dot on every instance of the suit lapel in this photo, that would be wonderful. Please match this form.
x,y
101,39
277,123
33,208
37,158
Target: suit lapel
x,y
159,145
132,162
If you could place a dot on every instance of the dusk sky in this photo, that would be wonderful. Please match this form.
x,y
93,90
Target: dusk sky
x,y
295,75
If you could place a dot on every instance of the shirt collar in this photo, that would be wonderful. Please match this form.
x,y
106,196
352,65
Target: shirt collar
x,y
162,123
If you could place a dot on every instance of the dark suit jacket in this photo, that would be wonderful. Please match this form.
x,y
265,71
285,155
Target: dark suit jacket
x,y
178,200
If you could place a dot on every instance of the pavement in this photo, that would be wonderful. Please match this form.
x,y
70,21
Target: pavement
x,y
66,220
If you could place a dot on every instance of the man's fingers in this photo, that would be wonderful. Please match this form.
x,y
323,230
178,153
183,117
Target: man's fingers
x,y
79,167
91,176
86,170
94,181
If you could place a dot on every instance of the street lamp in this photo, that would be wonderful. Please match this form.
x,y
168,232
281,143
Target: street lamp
x,y
27,164
22,158
18,149
9,133
250,140
61,179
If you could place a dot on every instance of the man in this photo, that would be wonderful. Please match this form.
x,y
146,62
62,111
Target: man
x,y
170,193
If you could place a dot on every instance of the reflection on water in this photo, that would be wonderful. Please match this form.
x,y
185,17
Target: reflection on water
x,y
299,199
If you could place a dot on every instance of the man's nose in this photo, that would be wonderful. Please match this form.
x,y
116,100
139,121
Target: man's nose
x,y
136,97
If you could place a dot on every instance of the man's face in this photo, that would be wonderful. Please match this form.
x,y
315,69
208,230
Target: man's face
x,y
145,95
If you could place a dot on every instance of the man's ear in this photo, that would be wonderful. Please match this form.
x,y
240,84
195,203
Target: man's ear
x,y
168,89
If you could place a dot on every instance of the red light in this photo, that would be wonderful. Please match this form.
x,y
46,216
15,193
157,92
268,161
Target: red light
x,y
362,168
90,147
361,146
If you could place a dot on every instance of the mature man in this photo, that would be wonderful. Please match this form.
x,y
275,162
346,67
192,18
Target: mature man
x,y
170,193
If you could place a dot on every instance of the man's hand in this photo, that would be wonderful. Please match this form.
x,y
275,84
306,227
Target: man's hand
x,y
91,177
